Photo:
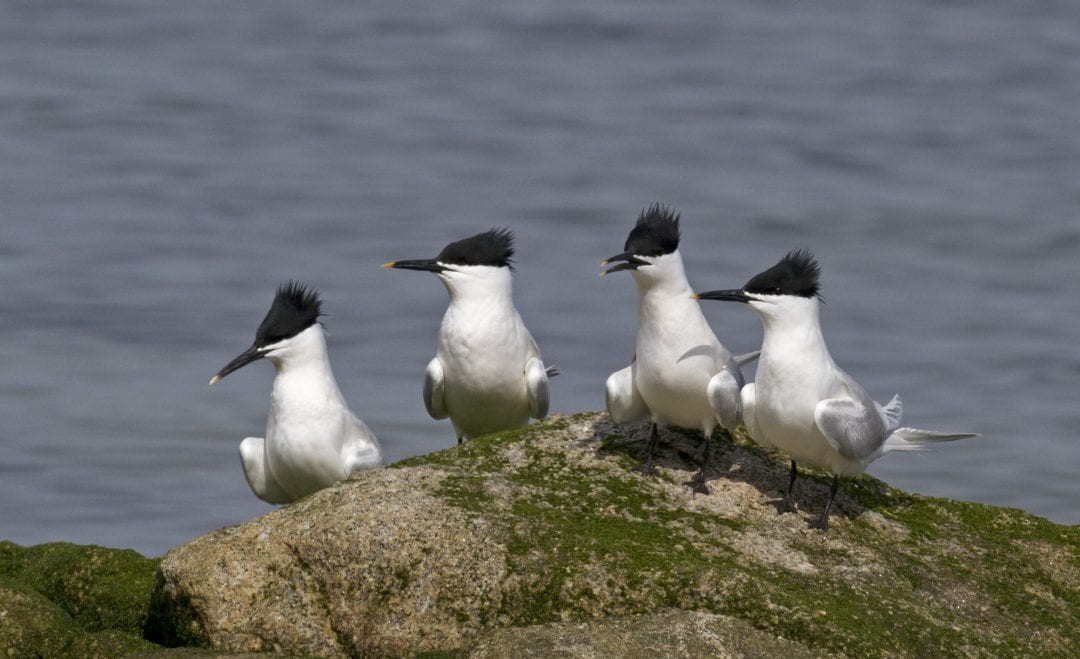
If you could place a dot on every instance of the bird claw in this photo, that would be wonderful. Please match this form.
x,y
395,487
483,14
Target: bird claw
x,y
786,505
821,523
698,485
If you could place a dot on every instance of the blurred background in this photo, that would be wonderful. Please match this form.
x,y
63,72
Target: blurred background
x,y
164,166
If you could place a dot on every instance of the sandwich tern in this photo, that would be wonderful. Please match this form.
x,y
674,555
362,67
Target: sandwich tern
x,y
312,439
681,375
800,401
487,374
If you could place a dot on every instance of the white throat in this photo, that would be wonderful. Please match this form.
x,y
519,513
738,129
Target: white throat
x,y
304,354
479,284
664,294
665,274
795,318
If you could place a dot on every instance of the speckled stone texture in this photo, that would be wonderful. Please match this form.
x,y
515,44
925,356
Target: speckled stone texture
x,y
664,635
546,538
377,566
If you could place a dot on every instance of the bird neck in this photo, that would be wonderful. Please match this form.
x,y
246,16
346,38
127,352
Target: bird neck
x,y
305,363
792,326
481,286
663,290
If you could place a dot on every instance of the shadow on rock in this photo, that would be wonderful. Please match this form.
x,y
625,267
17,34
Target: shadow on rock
x,y
735,459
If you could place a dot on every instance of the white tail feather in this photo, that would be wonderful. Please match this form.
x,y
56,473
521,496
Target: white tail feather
x,y
913,439
892,413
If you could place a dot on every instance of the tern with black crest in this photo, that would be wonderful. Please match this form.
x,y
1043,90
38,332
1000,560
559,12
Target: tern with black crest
x,y
312,439
681,374
800,401
487,374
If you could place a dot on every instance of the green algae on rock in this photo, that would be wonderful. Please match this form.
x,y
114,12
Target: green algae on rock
x,y
60,599
548,525
661,635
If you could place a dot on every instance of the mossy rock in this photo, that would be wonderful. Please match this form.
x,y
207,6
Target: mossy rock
x,y
100,588
667,634
61,599
31,625
549,525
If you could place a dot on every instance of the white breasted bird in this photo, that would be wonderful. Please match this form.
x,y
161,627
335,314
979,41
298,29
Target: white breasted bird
x,y
487,374
312,439
681,375
801,402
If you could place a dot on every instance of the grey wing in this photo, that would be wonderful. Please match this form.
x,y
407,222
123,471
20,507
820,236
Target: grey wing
x,y
536,384
624,403
361,449
435,390
534,351
725,398
536,380
748,395
253,459
854,428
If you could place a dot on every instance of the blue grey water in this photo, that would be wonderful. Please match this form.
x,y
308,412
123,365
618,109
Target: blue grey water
x,y
163,166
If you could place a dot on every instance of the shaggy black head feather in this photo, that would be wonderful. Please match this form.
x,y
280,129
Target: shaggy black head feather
x,y
655,234
797,273
494,247
296,308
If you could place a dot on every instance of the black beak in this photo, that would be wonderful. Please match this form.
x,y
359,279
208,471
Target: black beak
x,y
427,265
732,295
243,359
631,262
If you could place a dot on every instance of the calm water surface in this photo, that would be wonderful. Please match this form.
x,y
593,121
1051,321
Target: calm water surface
x,y
164,167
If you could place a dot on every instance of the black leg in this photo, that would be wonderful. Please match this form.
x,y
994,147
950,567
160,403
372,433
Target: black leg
x,y
459,439
788,504
823,521
697,483
649,467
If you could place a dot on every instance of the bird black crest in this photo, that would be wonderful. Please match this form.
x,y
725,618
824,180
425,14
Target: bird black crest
x,y
656,232
296,308
797,273
494,247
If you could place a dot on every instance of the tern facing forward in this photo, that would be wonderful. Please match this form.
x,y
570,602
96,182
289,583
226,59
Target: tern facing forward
x,y
312,439
800,401
681,374
487,374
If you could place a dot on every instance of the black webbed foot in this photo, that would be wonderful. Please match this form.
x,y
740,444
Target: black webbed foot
x,y
823,521
786,505
648,468
697,483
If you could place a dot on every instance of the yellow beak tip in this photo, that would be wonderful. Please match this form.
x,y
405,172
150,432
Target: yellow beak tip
x,y
390,264
214,380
